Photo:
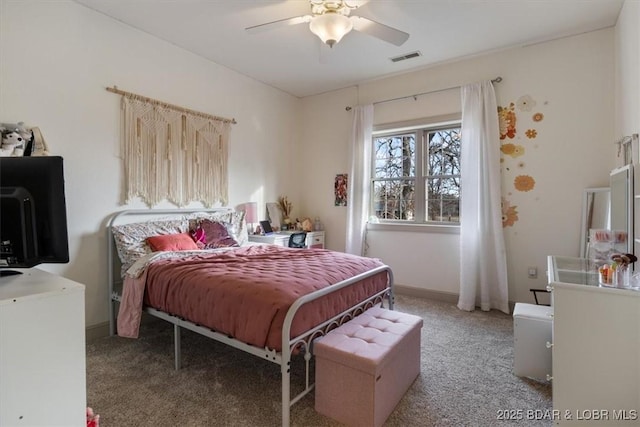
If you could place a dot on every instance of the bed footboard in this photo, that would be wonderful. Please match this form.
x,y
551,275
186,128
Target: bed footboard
x,y
305,341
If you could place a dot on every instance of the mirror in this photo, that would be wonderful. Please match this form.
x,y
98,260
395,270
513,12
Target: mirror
x,y
621,195
595,214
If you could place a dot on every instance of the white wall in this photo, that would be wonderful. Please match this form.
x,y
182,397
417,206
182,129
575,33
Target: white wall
x,y
627,56
572,81
327,129
56,58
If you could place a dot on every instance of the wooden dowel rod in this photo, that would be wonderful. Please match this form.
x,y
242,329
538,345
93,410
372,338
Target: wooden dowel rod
x,y
115,89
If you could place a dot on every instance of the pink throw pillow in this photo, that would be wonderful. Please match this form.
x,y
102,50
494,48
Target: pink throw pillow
x,y
172,242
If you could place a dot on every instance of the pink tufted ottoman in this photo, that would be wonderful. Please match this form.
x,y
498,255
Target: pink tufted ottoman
x,y
364,367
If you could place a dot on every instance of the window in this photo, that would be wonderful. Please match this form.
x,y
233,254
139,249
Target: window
x,y
416,175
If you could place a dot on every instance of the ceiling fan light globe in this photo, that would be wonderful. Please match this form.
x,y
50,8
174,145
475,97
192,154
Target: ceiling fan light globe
x,y
330,27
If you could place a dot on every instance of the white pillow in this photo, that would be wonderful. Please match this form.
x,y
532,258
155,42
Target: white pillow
x,y
131,239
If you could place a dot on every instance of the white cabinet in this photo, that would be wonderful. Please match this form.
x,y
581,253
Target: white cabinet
x,y
596,347
315,239
42,350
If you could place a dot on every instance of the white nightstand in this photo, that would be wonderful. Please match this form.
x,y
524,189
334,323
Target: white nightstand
x,y
315,239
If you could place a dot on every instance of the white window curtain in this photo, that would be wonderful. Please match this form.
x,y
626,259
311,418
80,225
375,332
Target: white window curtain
x,y
483,266
359,180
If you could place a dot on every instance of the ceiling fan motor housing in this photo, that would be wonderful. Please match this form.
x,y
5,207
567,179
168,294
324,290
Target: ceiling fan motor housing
x,y
320,7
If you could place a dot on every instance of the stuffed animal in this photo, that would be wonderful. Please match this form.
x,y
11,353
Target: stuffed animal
x,y
93,420
16,127
307,225
13,144
32,144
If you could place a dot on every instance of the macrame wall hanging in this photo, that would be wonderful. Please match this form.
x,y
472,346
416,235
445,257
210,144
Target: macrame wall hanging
x,y
172,153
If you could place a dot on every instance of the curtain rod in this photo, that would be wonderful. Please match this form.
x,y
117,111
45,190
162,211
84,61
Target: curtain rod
x,y
496,80
115,89
626,139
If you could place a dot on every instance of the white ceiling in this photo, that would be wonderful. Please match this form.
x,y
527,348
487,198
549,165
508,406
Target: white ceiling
x,y
294,60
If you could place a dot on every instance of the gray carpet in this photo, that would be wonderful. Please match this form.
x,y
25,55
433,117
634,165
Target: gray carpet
x,y
466,378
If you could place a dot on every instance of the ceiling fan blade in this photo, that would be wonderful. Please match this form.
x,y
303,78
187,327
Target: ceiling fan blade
x,y
378,30
279,23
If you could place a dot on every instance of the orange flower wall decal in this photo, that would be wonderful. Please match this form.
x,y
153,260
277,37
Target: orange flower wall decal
x,y
509,214
508,149
507,121
518,151
524,183
512,150
526,103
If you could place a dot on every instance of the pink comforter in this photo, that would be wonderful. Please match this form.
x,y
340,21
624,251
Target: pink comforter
x,y
245,293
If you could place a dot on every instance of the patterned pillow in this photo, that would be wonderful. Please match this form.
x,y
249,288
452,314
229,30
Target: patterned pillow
x,y
172,242
238,228
131,239
216,234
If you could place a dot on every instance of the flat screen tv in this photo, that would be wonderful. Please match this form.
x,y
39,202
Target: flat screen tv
x,y
33,215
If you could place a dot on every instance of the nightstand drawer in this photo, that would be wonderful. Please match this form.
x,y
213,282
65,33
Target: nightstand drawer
x,y
315,239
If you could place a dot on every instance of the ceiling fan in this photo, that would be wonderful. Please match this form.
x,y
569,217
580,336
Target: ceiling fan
x,y
332,20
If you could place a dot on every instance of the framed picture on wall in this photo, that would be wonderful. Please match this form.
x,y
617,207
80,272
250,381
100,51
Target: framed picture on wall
x,y
340,189
274,215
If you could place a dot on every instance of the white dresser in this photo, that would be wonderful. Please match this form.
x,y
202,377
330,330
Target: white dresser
x,y
42,350
315,239
596,347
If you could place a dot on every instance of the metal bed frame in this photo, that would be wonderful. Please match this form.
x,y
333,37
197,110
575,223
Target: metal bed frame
x,y
303,342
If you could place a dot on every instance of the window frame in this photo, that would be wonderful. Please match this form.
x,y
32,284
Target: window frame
x,y
420,127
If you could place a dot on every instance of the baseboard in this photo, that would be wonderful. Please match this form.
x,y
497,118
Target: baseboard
x,y
95,332
449,297
426,293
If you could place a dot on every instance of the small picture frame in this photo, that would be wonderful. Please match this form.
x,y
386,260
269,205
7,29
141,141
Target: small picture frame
x,y
274,215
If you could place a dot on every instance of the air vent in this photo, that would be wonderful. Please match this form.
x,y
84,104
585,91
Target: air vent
x,y
406,56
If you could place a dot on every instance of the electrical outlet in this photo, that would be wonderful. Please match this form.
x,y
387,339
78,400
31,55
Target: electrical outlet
x,y
532,272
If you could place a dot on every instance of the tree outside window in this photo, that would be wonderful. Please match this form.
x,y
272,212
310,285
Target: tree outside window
x,y
416,176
